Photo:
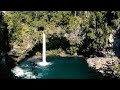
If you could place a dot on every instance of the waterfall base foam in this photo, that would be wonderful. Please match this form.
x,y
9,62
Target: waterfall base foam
x,y
43,63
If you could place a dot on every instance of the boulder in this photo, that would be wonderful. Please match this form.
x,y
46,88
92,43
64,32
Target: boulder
x,y
103,64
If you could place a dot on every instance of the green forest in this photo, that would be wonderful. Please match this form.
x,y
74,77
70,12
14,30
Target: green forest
x,y
68,33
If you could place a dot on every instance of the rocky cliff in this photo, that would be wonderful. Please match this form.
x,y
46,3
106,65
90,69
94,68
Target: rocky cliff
x,y
104,65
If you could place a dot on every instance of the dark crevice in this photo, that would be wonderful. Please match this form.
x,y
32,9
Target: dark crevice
x,y
6,63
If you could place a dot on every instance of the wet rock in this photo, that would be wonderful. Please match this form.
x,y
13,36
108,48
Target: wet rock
x,y
103,65
20,73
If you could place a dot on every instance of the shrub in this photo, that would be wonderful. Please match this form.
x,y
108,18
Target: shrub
x,y
37,53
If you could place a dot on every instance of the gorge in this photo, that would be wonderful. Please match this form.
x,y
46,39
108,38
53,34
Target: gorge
x,y
92,35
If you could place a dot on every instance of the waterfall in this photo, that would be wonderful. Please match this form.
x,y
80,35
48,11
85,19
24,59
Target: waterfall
x,y
44,49
44,62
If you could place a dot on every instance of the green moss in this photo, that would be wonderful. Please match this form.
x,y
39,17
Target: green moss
x,y
54,52
91,35
100,31
94,45
37,53
116,69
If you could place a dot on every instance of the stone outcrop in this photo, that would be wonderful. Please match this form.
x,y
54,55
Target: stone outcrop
x,y
103,65
116,47
108,54
20,49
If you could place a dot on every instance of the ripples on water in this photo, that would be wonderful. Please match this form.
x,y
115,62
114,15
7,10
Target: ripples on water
x,y
59,68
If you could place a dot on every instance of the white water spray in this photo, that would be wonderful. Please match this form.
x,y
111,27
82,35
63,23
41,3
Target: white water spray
x,y
44,62
19,72
44,48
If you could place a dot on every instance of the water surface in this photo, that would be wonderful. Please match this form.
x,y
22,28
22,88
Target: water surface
x,y
60,68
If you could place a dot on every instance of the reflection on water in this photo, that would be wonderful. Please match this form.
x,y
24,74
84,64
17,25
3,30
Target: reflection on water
x,y
60,68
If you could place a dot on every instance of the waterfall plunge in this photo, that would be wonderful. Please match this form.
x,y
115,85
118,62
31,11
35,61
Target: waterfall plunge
x,y
44,62
44,49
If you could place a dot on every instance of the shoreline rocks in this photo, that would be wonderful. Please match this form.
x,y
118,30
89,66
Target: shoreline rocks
x,y
104,65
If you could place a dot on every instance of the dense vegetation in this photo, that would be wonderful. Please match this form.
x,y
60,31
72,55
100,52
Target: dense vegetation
x,y
72,32
68,32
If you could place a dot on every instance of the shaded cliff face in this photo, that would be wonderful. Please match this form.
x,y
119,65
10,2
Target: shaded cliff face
x,y
10,54
5,62
116,47
116,44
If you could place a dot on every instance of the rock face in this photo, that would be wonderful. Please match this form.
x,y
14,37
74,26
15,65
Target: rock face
x,y
19,72
102,64
20,49
18,53
108,54
5,61
117,47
